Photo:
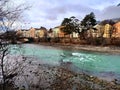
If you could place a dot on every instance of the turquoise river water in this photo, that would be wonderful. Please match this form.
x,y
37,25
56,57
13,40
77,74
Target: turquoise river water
x,y
100,64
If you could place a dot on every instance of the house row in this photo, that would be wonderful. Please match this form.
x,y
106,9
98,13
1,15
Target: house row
x,y
57,32
33,32
105,31
43,32
99,30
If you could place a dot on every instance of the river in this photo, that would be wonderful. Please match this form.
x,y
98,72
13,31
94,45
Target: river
x,y
99,64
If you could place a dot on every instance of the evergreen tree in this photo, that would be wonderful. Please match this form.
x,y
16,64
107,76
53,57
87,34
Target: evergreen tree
x,y
70,25
89,21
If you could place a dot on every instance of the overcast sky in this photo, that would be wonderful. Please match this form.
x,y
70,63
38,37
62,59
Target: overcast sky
x,y
50,13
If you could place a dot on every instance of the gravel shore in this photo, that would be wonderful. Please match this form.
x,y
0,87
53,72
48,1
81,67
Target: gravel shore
x,y
38,76
46,77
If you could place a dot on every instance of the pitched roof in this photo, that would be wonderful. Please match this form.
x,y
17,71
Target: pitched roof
x,y
42,28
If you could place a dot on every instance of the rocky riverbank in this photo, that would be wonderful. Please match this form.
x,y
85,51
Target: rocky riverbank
x,y
38,76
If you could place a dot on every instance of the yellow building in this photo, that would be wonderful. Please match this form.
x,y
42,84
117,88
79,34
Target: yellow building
x,y
41,32
58,32
107,31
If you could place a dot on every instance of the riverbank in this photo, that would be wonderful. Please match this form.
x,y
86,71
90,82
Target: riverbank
x,y
101,49
38,76
34,73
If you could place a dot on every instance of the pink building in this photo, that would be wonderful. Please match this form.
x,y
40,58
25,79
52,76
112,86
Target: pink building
x,y
32,32
116,31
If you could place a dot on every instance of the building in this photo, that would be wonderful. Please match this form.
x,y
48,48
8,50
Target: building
x,y
99,30
107,31
75,35
91,33
19,33
32,32
41,32
50,33
116,30
57,32
23,33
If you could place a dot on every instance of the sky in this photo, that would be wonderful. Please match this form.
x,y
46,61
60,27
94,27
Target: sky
x,y
50,13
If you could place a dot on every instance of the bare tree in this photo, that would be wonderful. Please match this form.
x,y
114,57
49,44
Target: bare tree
x,y
9,15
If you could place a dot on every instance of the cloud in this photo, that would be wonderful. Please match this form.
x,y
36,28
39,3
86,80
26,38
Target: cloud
x,y
109,13
68,10
50,13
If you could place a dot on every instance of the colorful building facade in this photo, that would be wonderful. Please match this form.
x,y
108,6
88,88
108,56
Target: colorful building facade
x,y
116,30
41,32
57,32
107,31
32,32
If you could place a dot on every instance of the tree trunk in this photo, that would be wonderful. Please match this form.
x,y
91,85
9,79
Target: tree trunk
x,y
3,75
